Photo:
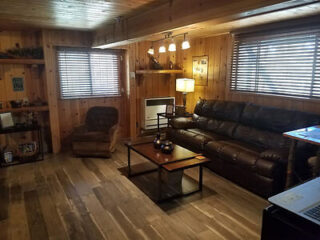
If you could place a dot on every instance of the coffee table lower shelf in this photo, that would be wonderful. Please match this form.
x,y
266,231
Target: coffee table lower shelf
x,y
165,190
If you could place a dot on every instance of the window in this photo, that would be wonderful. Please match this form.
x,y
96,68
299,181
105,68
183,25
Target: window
x,y
88,73
282,63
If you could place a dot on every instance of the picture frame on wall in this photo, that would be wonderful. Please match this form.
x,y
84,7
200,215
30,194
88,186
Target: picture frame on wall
x,y
200,70
18,84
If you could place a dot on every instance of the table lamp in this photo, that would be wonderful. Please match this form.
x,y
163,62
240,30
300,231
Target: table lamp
x,y
184,85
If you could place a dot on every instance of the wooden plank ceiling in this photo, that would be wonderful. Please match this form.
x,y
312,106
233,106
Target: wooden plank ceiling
x,y
201,18
67,14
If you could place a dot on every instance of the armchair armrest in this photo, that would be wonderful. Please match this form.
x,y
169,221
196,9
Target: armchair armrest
x,y
276,155
113,132
182,123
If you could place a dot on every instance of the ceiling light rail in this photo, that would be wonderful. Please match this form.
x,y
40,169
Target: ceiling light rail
x,y
172,46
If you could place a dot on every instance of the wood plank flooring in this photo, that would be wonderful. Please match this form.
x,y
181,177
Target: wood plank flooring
x,y
64,197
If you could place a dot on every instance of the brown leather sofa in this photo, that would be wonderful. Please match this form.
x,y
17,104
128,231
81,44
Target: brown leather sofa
x,y
245,142
98,136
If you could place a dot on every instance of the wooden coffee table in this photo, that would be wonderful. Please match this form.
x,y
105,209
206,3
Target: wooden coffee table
x,y
180,159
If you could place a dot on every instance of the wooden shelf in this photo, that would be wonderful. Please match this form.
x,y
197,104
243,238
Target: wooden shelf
x,y
26,109
164,71
22,61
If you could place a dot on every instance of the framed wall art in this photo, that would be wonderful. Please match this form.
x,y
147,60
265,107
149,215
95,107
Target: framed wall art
x,y
17,84
200,70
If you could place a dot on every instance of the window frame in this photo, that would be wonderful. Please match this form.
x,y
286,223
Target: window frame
x,y
118,52
261,34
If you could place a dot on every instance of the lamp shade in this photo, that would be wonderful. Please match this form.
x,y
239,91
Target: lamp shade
x,y
184,85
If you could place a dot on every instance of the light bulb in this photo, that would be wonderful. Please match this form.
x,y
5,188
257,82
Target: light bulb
x,y
172,47
162,49
151,51
185,44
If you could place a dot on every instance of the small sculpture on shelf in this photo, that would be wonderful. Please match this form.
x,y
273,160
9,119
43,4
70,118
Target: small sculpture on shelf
x,y
18,52
154,63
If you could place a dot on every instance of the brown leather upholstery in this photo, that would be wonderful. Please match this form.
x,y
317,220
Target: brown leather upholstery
x,y
99,134
245,141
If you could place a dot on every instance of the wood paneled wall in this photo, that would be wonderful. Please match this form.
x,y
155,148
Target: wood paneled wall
x,y
68,114
148,85
218,49
34,77
159,85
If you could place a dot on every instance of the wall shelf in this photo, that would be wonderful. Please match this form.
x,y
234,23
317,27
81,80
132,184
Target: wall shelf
x,y
22,61
164,71
26,109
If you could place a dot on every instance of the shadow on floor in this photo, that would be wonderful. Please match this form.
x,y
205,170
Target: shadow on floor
x,y
148,183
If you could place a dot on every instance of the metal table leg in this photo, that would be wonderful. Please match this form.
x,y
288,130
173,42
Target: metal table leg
x,y
291,164
200,177
159,185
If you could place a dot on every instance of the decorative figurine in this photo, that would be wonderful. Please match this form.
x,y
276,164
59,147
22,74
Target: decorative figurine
x,y
167,147
157,141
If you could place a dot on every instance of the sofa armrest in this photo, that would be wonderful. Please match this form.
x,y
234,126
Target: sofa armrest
x,y
182,123
276,155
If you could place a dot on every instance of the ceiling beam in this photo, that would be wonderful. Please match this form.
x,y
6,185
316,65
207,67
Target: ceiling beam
x,y
180,13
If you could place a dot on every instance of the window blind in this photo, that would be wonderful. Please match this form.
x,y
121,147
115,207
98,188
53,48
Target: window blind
x,y
88,73
283,63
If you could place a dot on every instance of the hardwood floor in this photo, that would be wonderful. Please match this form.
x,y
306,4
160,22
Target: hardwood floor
x,y
64,197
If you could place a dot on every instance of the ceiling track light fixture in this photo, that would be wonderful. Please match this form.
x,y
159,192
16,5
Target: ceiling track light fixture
x,y
151,49
185,44
172,46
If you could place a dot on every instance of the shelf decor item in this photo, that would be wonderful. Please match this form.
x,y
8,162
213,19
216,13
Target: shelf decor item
x,y
6,120
27,149
8,156
200,70
170,109
33,53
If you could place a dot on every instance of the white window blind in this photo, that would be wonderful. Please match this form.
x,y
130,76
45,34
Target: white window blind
x,y
282,63
88,73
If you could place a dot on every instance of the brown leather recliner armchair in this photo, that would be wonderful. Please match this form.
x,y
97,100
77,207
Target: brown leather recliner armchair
x,y
98,137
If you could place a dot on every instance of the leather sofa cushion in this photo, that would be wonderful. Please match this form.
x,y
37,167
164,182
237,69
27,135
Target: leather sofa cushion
x,y
198,107
233,151
265,168
182,123
276,119
222,110
210,135
225,128
195,138
261,138
276,155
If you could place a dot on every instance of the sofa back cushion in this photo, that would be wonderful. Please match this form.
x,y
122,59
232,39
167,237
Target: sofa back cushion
x,y
225,128
261,138
221,110
276,119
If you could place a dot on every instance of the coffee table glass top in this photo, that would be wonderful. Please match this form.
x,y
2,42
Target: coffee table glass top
x,y
156,156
